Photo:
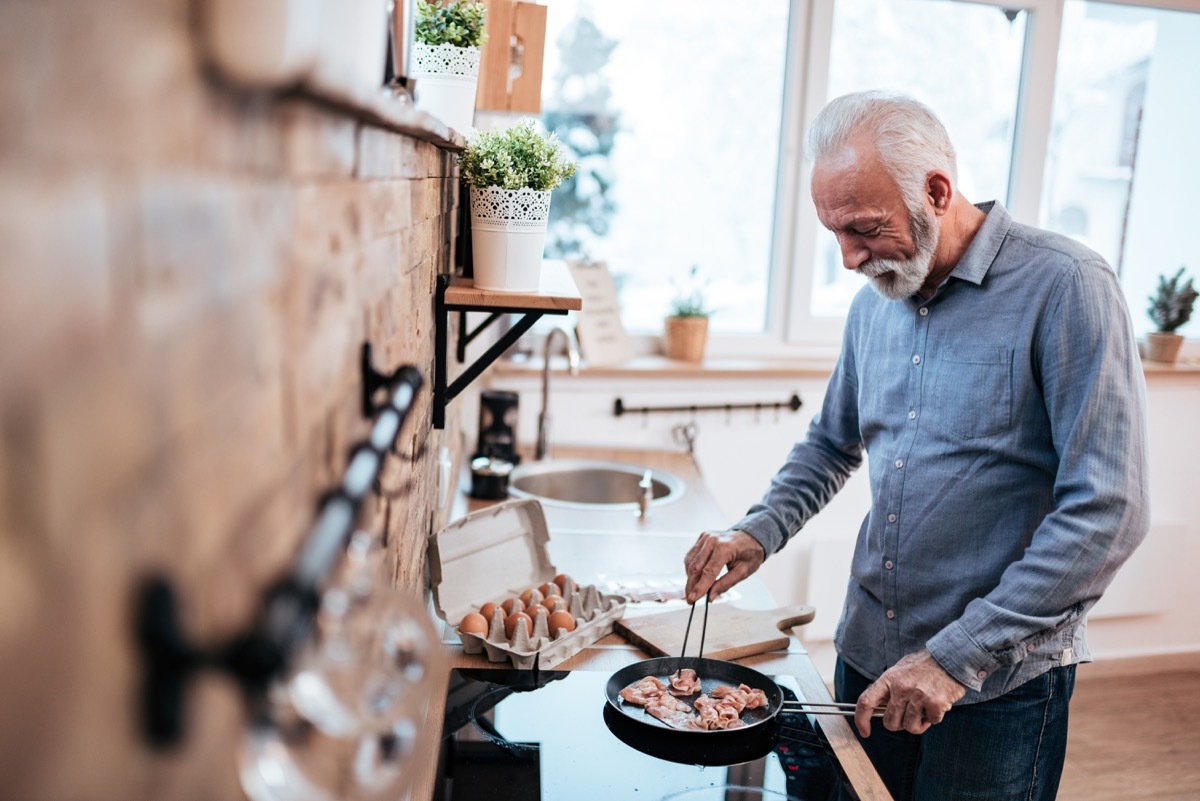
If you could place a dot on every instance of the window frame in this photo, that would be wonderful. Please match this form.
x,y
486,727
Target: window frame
x,y
790,324
792,331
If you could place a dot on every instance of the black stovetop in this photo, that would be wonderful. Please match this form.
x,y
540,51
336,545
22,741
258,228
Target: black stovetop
x,y
516,736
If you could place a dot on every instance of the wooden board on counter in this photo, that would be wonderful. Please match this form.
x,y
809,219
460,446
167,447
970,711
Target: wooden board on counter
x,y
730,633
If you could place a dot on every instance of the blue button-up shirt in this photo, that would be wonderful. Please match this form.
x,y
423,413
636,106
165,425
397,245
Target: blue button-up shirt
x,y
1004,421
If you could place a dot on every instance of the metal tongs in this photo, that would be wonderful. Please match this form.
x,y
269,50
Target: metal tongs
x,y
807,707
828,708
687,631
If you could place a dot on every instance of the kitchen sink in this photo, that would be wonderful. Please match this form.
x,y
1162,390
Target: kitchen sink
x,y
590,483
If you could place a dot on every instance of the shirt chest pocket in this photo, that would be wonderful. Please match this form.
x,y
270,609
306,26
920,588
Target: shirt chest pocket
x,y
971,391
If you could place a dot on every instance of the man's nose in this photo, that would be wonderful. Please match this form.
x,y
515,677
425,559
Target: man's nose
x,y
854,254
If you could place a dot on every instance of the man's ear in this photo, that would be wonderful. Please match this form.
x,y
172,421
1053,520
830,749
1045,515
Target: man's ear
x,y
940,191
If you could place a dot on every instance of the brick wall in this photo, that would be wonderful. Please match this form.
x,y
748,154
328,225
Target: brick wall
x,y
187,275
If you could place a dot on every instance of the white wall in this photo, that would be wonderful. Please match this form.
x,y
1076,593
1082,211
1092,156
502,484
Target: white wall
x,y
1148,611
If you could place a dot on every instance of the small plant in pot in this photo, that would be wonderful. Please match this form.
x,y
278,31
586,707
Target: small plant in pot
x,y
685,330
511,173
445,56
1170,309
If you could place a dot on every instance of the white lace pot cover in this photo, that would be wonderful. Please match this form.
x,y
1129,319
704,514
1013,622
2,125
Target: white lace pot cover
x,y
446,78
445,60
496,209
508,235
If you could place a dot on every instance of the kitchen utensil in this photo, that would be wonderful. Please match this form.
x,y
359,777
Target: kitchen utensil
x,y
498,414
736,632
712,672
489,478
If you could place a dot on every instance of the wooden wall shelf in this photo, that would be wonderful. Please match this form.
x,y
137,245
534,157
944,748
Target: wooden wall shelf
x,y
557,294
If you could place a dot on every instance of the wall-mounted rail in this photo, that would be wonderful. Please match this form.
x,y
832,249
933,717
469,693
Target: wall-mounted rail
x,y
285,617
792,404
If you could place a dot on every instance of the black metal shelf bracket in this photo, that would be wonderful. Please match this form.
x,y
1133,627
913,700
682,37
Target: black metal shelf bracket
x,y
444,390
792,404
284,619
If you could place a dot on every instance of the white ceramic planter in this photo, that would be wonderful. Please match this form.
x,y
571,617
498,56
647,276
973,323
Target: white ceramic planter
x,y
446,78
508,235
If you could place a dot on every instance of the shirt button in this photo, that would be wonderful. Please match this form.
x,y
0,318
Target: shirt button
x,y
889,564
1031,648
899,463
923,311
982,674
891,518
916,359
890,614
912,414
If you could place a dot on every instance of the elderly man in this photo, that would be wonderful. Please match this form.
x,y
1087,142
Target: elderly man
x,y
993,379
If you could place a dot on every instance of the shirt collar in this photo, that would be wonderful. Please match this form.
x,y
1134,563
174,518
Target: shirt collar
x,y
974,264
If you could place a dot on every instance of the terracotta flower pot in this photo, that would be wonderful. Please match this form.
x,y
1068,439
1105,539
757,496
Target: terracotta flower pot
x,y
684,338
1162,347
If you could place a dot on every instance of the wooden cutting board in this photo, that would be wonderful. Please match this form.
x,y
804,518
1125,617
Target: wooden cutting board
x,y
731,632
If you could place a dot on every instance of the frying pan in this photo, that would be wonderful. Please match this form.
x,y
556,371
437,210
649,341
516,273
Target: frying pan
x,y
711,672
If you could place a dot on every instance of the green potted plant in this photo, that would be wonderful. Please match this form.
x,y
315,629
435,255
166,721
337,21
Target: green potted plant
x,y
445,58
685,329
511,173
1170,308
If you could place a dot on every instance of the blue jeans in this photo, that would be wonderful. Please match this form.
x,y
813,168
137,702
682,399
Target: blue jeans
x,y
1010,748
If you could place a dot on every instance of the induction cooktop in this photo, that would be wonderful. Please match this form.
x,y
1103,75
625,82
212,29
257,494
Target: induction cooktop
x,y
551,736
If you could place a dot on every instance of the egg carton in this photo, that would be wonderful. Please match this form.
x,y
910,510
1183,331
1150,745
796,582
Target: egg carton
x,y
594,613
483,556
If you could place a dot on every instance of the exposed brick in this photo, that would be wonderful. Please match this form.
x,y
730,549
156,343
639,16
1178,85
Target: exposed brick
x,y
330,219
323,338
55,277
113,81
190,272
317,142
389,207
383,154
236,133
97,429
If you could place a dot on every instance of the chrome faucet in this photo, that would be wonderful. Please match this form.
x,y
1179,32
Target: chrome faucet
x,y
543,437
646,497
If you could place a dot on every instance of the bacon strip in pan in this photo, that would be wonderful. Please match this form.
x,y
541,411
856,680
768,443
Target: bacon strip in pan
x,y
684,682
641,692
673,712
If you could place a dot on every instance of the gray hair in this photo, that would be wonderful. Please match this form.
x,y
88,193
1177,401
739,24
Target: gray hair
x,y
910,139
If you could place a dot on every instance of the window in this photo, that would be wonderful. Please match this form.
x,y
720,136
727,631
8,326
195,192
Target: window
x,y
1120,163
673,108
689,118
882,44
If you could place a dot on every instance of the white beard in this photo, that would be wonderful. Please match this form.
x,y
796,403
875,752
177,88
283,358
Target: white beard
x,y
895,279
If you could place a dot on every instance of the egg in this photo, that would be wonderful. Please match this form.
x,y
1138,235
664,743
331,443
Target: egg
x,y
549,589
561,580
553,603
474,623
561,620
531,597
512,605
487,609
512,621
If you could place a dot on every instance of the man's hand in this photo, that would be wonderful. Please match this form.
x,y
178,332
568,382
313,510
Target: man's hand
x,y
714,551
917,691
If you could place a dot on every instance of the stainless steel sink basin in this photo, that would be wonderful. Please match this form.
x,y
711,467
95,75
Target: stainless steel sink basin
x,y
589,483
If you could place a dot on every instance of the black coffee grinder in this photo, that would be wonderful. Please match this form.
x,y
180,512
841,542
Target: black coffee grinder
x,y
498,425
496,453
